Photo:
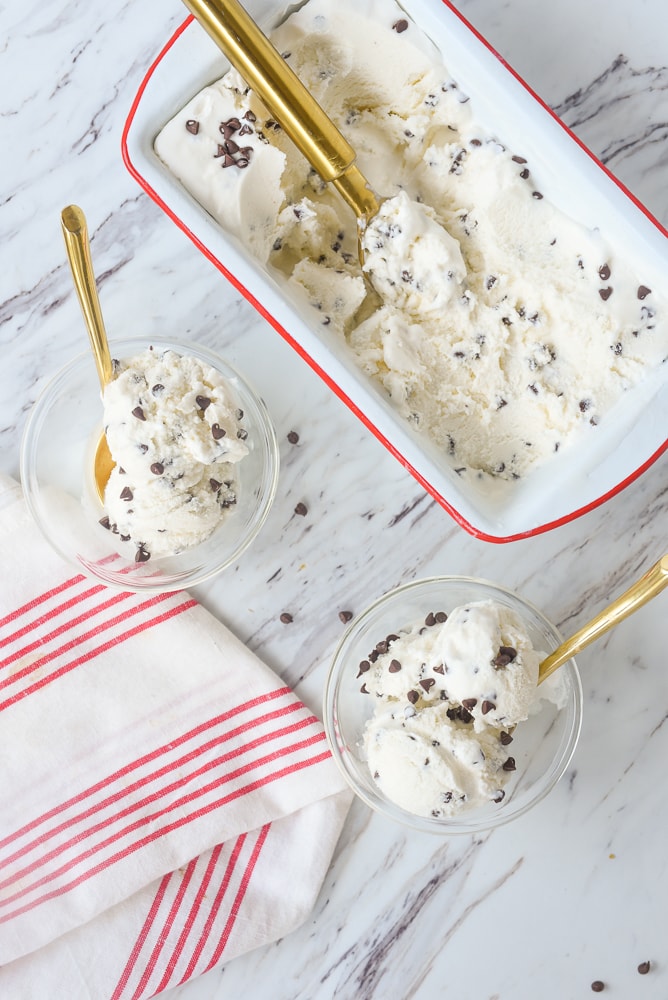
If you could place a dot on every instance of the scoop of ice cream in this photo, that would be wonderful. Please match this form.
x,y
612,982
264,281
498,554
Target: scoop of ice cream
x,y
433,766
413,262
448,689
176,434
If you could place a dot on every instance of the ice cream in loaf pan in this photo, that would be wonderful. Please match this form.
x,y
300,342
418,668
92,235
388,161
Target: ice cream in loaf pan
x,y
544,327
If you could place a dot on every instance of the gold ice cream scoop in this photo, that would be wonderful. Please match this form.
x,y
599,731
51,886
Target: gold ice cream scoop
x,y
75,232
639,593
288,101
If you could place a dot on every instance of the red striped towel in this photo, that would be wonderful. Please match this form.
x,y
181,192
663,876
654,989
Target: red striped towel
x,y
167,803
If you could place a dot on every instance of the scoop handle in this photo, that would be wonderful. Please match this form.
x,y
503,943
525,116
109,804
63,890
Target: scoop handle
x,y
75,233
639,593
288,101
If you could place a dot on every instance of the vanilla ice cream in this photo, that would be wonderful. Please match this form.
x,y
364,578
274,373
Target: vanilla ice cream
x,y
449,690
530,328
176,434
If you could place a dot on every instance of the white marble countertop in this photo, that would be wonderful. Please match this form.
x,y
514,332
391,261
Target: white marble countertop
x,y
576,890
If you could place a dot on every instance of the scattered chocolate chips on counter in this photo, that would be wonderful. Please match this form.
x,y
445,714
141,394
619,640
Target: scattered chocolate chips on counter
x,y
400,25
293,437
345,616
301,509
644,967
598,986
286,617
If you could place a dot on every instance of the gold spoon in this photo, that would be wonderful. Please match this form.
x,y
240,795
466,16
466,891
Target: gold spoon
x,y
75,232
643,590
288,101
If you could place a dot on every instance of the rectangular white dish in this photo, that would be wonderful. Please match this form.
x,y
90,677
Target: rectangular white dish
x,y
588,473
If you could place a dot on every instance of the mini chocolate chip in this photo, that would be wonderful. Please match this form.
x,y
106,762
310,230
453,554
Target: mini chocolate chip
x,y
142,554
605,293
597,986
217,431
413,696
250,116
124,538
394,667
202,402
286,617
293,437
499,796
469,703
439,668
643,291
524,173
157,468
157,388
519,159
430,619
143,448
105,522
364,689
604,272
505,738
364,665
509,764
505,656
345,616
487,706
301,509
644,968
239,414
584,405
126,493
192,126
392,637
242,434
242,162
400,25
382,646
373,655
537,195
215,485
138,413
427,683
441,617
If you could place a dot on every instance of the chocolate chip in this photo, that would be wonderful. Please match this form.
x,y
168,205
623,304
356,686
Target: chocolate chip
x,y
364,689
138,413
242,434
499,796
239,414
427,683
597,986
392,637
439,668
105,522
382,646
126,493
643,291
537,195
604,272
293,437
469,703
286,617
217,431
524,173
231,147
644,968
413,696
250,116
441,617
245,130
228,161
364,665
487,706
605,293
192,126
505,739
157,468
430,619
505,656
215,485
301,509
157,388
202,402
142,554
400,25
509,764
345,616
394,667
519,159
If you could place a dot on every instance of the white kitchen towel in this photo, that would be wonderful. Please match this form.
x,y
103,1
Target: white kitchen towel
x,y
166,802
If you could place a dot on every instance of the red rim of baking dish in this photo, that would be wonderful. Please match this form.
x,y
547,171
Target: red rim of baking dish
x,y
240,287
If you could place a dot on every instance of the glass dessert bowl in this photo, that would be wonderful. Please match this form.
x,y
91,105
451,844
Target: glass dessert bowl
x,y
527,766
57,455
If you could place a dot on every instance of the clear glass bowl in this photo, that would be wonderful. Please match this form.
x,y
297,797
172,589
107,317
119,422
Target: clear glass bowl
x,y
57,452
542,745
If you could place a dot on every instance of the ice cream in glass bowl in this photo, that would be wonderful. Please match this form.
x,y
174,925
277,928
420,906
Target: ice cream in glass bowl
x,y
433,710
195,473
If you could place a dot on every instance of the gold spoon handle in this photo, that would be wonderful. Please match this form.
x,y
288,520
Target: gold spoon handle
x,y
288,101
647,587
75,232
